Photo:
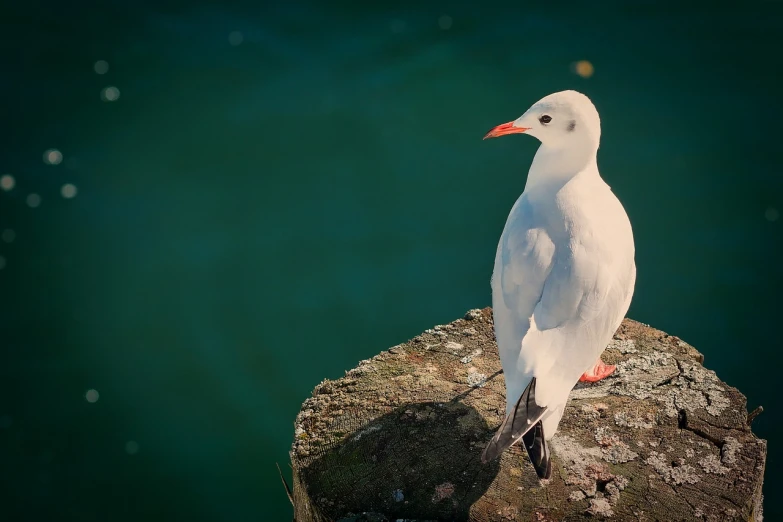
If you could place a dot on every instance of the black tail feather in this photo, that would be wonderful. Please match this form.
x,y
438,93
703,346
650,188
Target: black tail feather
x,y
538,450
522,419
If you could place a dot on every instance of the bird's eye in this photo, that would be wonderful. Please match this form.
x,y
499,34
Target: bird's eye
x,y
546,118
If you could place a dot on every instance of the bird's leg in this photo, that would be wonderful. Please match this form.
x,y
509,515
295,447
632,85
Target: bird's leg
x,y
597,372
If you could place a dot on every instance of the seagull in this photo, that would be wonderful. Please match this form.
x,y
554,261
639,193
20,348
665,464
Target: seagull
x,y
564,274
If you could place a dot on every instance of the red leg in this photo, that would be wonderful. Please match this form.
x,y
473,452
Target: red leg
x,y
597,372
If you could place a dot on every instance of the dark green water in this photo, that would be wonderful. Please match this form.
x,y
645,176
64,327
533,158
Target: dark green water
x,y
253,218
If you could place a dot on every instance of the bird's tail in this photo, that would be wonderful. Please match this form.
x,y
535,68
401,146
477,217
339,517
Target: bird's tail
x,y
524,422
538,450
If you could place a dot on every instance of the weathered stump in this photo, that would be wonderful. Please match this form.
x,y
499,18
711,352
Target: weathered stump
x,y
400,437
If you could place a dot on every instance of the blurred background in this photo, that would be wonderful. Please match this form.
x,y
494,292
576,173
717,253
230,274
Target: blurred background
x,y
207,207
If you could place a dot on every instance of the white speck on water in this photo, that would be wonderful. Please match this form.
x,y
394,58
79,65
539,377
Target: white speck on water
x,y
68,191
53,157
583,68
110,94
7,182
33,200
101,67
92,396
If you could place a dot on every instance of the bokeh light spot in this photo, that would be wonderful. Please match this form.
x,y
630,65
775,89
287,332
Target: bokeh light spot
x,y
584,68
33,200
235,38
445,22
53,157
7,182
68,191
110,94
101,67
771,214
131,447
92,396
8,235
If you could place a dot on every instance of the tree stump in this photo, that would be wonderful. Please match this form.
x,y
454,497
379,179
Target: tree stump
x,y
400,437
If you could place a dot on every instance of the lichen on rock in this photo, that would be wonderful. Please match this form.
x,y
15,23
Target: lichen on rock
x,y
401,435
676,472
712,464
600,507
729,451
626,420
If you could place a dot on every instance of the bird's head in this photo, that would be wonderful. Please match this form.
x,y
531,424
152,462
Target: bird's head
x,y
566,119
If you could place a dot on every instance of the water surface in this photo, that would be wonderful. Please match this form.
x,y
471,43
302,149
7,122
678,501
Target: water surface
x,y
279,193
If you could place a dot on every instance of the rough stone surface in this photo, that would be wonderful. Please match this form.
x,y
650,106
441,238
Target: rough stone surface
x,y
400,436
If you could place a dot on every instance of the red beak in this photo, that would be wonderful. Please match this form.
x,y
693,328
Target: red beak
x,y
506,128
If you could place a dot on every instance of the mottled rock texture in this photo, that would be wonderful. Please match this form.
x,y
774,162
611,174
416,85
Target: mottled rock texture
x,y
400,437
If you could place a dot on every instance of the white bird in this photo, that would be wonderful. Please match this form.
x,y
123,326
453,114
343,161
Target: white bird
x,y
564,274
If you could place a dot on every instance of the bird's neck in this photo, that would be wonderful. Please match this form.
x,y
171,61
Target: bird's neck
x,y
559,165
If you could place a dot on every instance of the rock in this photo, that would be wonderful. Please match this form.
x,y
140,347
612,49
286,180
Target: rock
x,y
600,507
400,438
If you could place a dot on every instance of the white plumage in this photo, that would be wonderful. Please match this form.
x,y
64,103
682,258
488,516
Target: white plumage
x,y
564,269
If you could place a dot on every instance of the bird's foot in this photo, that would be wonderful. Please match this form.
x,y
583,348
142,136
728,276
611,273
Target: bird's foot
x,y
597,372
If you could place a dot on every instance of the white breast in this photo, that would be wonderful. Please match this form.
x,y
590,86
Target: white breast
x,y
563,279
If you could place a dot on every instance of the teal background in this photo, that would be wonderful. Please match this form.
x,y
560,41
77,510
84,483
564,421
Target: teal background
x,y
253,218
